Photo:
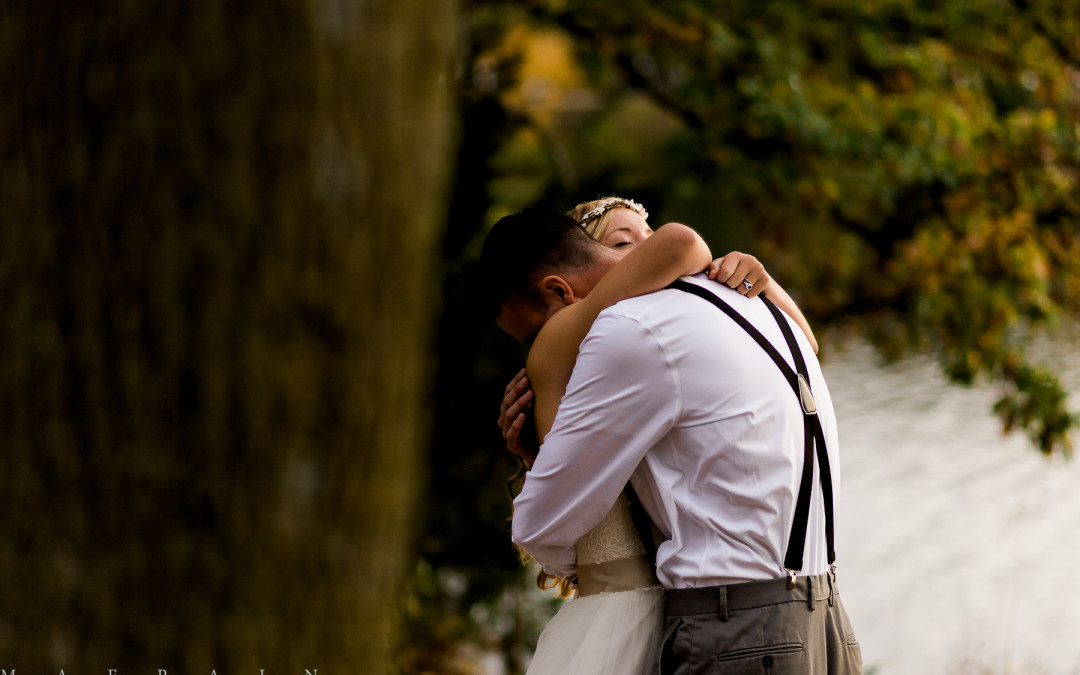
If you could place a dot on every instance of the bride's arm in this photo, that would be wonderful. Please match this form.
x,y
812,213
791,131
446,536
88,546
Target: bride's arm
x,y
781,299
736,267
673,251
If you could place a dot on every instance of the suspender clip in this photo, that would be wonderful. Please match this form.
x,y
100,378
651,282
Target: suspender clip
x,y
791,579
806,397
831,576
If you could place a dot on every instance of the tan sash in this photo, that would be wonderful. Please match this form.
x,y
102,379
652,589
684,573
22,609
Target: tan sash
x,y
626,574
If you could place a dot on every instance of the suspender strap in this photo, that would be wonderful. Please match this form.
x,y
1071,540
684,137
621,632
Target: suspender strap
x,y
811,424
813,434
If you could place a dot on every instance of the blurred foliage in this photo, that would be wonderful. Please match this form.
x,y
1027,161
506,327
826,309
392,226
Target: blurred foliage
x,y
907,167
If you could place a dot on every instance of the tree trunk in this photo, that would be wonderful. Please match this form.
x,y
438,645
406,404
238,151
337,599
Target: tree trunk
x,y
218,225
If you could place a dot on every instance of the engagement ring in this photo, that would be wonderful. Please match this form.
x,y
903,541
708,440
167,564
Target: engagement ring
x,y
749,286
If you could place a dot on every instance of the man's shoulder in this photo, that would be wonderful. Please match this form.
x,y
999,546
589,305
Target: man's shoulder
x,y
671,299
658,314
638,309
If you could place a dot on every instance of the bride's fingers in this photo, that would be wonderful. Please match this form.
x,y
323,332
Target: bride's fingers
x,y
727,266
755,283
750,283
714,268
762,284
749,278
741,274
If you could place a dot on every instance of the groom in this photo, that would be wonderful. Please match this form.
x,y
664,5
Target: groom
x,y
727,437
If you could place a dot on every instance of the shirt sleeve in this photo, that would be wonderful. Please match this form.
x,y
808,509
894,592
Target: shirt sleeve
x,y
621,399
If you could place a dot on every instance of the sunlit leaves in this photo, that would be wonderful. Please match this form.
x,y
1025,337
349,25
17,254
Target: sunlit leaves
x,y
908,161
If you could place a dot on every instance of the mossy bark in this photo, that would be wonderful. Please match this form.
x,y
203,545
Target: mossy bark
x,y
218,226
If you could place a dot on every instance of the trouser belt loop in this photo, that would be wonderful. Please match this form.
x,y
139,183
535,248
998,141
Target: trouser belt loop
x,y
832,588
810,592
721,603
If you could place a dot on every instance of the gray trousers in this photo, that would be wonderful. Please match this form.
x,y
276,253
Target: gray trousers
x,y
759,627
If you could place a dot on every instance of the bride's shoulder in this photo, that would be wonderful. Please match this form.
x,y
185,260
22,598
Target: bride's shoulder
x,y
561,327
557,342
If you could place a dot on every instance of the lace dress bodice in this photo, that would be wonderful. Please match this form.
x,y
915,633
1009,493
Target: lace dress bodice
x,y
613,539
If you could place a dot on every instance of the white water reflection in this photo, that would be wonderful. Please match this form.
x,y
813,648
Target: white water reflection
x,y
958,548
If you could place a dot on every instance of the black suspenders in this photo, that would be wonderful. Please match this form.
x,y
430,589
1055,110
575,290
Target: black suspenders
x,y
812,431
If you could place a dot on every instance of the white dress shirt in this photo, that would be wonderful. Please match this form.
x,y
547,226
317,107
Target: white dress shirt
x,y
669,393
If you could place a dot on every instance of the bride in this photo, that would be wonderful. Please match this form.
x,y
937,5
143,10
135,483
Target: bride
x,y
613,625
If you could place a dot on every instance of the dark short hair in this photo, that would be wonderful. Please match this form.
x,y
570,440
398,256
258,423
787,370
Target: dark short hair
x,y
523,246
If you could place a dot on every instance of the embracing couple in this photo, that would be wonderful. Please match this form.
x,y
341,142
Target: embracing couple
x,y
661,375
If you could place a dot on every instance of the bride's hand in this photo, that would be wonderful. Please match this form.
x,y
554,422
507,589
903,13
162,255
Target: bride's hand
x,y
517,399
737,270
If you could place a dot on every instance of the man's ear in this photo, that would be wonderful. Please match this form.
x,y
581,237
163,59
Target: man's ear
x,y
555,289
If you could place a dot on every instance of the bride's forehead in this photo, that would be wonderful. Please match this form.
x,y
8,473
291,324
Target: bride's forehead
x,y
627,218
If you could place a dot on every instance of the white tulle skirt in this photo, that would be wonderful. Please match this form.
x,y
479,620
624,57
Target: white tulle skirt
x,y
603,634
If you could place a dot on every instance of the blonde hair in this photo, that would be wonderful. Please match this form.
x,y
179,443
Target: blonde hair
x,y
594,216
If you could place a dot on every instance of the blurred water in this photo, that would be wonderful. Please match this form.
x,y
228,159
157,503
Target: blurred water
x,y
958,548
